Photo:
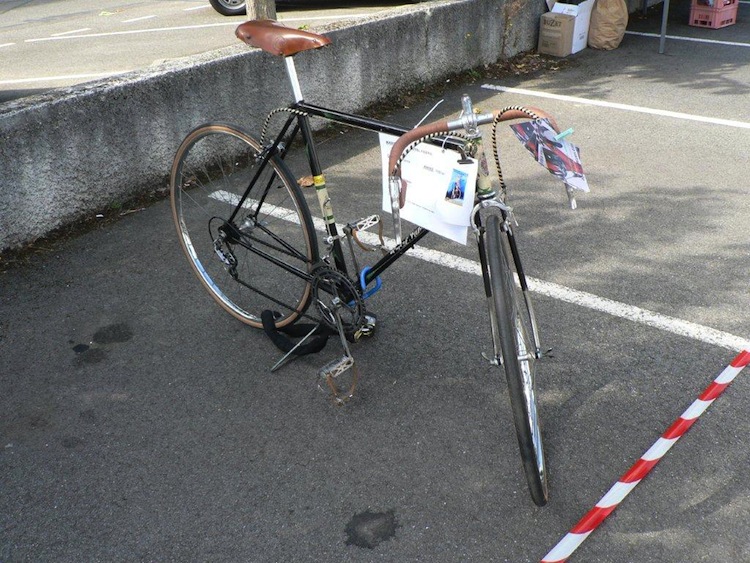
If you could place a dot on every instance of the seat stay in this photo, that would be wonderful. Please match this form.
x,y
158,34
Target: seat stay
x,y
267,153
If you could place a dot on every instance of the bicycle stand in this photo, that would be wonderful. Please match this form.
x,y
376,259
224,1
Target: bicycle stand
x,y
290,355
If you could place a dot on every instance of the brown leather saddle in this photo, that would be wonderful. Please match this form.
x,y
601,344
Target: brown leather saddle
x,y
278,39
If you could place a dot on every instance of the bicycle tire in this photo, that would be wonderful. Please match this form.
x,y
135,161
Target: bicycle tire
x,y
268,250
517,346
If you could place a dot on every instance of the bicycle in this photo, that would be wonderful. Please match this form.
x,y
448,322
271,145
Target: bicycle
x,y
248,233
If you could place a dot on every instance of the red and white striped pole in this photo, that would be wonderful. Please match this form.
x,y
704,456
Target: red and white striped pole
x,y
565,548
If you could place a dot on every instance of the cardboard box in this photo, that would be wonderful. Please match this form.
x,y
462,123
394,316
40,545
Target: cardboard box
x,y
564,30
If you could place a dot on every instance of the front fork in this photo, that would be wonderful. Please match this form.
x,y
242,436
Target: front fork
x,y
488,202
497,356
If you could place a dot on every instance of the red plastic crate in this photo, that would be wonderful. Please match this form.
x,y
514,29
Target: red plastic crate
x,y
713,14
715,4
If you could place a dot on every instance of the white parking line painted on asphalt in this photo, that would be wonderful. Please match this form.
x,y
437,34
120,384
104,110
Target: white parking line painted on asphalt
x,y
131,32
316,18
70,32
590,301
196,8
555,291
180,28
693,39
62,77
6,45
138,19
614,105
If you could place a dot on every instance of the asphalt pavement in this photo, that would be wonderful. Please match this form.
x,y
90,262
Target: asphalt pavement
x,y
141,422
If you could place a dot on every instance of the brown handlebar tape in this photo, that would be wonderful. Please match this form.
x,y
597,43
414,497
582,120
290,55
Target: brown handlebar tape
x,y
441,126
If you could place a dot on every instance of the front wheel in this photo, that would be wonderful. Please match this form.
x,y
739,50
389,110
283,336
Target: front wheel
x,y
229,7
243,224
512,331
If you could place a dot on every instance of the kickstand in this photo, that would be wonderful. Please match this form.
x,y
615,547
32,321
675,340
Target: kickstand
x,y
290,354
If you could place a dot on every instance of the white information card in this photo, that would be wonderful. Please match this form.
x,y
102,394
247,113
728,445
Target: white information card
x,y
439,189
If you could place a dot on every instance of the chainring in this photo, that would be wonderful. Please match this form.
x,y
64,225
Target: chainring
x,y
333,291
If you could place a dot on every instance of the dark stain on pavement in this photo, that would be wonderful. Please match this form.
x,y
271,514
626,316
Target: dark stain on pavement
x,y
94,353
113,334
72,443
89,355
367,529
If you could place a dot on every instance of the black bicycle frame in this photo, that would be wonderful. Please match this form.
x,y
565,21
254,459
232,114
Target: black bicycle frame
x,y
279,147
360,122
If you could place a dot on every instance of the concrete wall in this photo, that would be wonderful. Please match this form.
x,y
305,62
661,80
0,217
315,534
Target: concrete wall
x,y
68,154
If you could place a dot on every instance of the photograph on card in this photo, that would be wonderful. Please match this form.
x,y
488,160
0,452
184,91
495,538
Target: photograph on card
x,y
559,156
457,187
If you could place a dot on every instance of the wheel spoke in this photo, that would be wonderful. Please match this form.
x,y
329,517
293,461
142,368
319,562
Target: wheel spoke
x,y
272,243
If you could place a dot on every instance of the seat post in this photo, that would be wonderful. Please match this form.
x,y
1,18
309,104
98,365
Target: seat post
x,y
292,73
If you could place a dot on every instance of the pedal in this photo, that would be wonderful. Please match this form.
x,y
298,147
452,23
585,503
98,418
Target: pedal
x,y
366,223
331,371
335,368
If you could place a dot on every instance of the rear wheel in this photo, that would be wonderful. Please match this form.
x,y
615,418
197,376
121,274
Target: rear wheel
x,y
229,7
261,258
512,328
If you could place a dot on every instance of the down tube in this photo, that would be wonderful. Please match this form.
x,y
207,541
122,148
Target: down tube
x,y
386,261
